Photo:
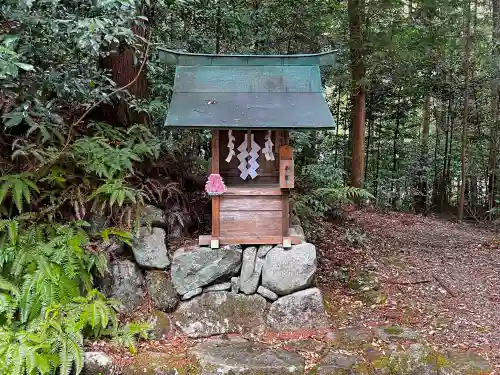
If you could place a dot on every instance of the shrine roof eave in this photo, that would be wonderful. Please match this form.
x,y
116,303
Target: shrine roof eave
x,y
249,111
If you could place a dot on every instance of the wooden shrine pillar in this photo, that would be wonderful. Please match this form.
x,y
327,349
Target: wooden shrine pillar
x,y
285,161
214,243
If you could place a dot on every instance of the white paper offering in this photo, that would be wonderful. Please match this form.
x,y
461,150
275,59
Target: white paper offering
x,y
242,157
254,155
268,147
230,146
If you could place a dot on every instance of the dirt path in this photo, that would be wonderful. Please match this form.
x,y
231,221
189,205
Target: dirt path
x,y
442,279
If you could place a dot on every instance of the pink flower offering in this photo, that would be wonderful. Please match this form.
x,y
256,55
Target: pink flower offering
x,y
215,185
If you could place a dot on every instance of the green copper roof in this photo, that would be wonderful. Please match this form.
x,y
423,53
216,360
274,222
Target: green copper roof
x,y
248,91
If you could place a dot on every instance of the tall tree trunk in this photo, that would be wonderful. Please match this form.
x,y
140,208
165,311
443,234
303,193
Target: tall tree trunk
x,y
465,120
450,155
395,159
443,188
337,125
441,124
370,128
356,20
347,139
420,199
495,88
377,170
124,67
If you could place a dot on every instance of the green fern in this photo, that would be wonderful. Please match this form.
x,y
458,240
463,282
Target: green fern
x,y
115,193
110,152
128,335
20,187
44,269
120,234
319,201
346,194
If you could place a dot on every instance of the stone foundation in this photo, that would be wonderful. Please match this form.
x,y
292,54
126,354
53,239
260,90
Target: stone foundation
x,y
234,289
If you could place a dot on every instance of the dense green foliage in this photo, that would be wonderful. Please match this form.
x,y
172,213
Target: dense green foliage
x,y
55,171
47,299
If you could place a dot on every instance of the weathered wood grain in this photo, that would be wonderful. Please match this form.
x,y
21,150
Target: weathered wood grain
x,y
252,191
251,224
287,178
251,203
284,215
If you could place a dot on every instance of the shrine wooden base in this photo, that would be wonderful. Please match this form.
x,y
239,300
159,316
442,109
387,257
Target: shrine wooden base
x,y
217,242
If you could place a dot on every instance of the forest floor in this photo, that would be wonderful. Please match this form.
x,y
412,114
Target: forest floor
x,y
439,278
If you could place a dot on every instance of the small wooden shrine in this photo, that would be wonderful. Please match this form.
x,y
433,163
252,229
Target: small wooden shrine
x,y
250,103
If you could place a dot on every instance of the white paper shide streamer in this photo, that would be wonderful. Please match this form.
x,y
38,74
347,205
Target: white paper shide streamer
x,y
230,146
242,157
254,155
268,147
248,167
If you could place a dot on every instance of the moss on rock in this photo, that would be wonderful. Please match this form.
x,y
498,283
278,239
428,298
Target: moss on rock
x,y
161,326
395,332
152,363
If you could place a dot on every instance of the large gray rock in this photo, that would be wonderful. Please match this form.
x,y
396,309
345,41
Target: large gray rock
x,y
263,250
218,287
192,269
266,293
351,337
161,290
298,311
234,357
221,312
161,327
395,332
151,216
126,284
419,359
335,363
251,282
150,249
192,293
153,363
287,271
98,363
416,360
298,231
247,268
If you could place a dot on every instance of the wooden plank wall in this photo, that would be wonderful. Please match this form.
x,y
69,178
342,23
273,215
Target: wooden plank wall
x,y
251,219
251,211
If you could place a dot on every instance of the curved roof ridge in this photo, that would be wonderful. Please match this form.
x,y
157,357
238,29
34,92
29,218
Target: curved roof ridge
x,y
172,57
168,50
